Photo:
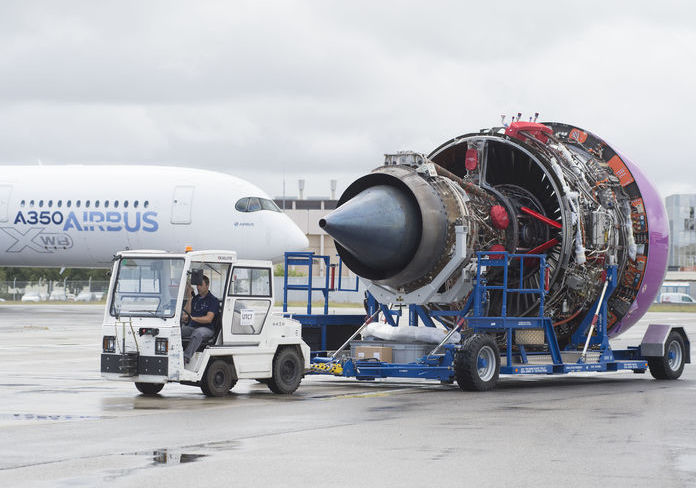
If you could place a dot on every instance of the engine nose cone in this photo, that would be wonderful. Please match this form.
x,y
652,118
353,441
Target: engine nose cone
x,y
379,227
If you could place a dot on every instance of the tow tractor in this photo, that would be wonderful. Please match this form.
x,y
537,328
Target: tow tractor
x,y
494,345
142,340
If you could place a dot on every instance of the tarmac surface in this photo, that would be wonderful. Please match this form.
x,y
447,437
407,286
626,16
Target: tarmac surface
x,y
62,425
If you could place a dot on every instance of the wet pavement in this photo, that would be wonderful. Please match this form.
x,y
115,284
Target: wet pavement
x,y
62,425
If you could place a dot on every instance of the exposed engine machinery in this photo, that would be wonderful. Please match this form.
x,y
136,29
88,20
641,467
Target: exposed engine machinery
x,y
412,227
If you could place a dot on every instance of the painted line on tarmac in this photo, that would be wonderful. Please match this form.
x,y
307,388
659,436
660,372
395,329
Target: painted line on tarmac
x,y
371,394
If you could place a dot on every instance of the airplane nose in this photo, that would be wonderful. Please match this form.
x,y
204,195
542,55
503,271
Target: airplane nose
x,y
297,241
293,239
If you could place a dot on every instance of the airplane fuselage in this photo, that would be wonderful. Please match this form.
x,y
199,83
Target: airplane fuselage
x,y
79,216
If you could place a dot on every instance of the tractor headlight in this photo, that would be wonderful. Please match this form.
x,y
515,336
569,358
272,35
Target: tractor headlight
x,y
109,344
161,346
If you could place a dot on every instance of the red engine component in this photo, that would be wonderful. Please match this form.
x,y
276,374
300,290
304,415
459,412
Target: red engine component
x,y
499,217
471,159
538,131
497,248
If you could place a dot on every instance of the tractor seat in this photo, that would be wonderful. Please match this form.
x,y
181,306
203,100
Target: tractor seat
x,y
217,325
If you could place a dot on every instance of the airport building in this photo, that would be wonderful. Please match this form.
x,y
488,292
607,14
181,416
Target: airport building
x,y
306,214
682,230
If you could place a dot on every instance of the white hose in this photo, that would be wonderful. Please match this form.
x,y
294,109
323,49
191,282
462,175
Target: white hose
x,y
572,199
628,227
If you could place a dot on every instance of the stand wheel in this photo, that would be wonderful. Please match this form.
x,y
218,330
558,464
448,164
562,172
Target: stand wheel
x,y
671,364
477,363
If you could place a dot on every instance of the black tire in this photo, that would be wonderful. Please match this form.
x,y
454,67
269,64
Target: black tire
x,y
671,364
288,369
218,379
477,363
204,388
149,388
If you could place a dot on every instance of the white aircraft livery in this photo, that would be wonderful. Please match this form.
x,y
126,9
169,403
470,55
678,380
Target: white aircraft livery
x,y
80,216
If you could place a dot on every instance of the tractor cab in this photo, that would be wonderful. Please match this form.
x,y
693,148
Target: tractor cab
x,y
142,340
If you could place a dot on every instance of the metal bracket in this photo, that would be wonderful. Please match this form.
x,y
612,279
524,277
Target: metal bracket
x,y
428,293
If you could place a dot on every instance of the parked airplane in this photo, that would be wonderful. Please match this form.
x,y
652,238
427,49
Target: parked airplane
x,y
79,216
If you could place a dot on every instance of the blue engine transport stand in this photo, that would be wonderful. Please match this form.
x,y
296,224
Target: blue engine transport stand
x,y
322,331
476,362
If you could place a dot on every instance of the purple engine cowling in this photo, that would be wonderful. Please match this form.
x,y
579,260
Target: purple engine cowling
x,y
658,250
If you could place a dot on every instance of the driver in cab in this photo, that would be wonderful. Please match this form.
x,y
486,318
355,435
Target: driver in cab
x,y
200,312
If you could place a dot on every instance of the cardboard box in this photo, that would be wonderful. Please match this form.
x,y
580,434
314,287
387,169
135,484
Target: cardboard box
x,y
401,353
383,354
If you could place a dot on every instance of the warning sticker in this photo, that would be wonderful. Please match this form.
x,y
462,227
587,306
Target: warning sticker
x,y
641,261
638,205
621,171
578,135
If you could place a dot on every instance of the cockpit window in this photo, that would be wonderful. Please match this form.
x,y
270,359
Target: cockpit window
x,y
254,204
269,205
242,204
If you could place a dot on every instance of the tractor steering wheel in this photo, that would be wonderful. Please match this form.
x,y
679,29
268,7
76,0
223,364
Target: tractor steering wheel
x,y
187,319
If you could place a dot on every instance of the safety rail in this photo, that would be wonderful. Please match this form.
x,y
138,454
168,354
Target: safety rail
x,y
340,277
305,259
321,331
485,258
502,322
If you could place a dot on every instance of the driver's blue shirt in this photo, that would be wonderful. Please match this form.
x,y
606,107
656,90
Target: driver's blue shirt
x,y
200,306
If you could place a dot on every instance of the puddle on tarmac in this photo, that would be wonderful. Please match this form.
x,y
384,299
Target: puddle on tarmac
x,y
185,454
165,456
131,463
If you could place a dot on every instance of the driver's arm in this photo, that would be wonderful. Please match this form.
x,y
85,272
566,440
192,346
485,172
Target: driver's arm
x,y
204,319
188,298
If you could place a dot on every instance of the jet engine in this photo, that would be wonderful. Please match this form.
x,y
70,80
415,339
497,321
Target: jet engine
x,y
412,226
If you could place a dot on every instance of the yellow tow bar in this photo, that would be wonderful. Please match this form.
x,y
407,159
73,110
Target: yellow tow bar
x,y
327,368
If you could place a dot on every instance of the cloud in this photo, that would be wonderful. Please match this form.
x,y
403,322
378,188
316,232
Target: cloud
x,y
322,89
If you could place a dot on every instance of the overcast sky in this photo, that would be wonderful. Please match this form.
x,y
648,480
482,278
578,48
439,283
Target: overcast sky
x,y
322,89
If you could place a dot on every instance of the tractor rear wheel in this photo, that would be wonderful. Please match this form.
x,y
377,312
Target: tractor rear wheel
x,y
288,369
